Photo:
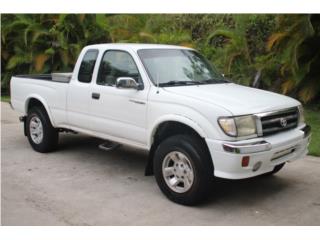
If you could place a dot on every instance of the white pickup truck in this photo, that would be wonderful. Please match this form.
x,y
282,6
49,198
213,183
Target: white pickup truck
x,y
170,101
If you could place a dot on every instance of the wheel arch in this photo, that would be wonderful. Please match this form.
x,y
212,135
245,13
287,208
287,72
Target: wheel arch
x,y
176,119
169,126
36,100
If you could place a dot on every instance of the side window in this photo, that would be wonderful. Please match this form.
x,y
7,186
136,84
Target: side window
x,y
115,64
87,66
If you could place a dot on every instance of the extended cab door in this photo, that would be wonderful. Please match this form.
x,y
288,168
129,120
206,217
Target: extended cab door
x,y
117,112
79,92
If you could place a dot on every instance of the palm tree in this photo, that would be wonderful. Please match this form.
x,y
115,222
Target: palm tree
x,y
41,43
231,49
266,51
294,47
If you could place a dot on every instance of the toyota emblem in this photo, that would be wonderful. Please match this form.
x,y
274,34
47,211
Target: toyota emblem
x,y
283,122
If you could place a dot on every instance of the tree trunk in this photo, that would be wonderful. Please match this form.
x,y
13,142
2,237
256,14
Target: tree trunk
x,y
256,81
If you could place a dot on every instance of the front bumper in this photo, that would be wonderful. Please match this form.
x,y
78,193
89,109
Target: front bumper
x,y
263,152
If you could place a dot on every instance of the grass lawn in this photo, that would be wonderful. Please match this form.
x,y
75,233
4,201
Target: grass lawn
x,y
5,98
312,116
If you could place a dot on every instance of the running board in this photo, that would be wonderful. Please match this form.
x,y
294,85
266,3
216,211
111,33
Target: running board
x,y
109,146
65,130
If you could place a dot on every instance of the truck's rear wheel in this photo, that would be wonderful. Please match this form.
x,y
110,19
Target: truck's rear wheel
x,y
42,136
183,169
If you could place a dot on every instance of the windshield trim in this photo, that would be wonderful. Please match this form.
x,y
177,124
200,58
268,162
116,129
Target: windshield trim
x,y
223,80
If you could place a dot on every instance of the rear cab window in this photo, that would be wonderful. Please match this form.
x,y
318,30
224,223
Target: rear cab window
x,y
87,66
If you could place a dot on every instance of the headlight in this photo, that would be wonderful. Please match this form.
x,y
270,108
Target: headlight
x,y
228,126
238,126
301,114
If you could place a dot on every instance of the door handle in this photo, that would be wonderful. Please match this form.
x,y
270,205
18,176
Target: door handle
x,y
95,95
137,101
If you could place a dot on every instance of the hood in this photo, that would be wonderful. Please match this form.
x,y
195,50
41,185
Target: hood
x,y
237,99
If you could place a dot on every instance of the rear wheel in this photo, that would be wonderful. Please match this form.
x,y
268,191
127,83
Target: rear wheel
x,y
183,169
42,136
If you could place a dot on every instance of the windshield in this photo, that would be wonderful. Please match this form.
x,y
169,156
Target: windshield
x,y
174,67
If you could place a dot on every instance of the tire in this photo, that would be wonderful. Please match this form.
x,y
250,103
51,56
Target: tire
x,y
275,170
197,169
38,121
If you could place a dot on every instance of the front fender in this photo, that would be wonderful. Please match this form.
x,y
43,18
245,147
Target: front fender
x,y
174,118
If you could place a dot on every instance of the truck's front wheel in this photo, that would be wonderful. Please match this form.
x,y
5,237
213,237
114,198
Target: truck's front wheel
x,y
42,136
183,169
275,170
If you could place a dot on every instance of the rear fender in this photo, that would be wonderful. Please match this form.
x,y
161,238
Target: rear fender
x,y
44,104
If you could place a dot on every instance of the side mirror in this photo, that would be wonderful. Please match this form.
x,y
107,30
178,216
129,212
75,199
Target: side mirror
x,y
127,83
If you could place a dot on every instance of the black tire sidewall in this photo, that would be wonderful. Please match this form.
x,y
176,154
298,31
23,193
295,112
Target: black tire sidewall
x,y
50,134
200,161
274,171
278,168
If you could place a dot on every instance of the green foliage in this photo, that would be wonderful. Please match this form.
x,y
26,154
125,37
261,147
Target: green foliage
x,y
294,48
5,99
276,52
42,43
312,117
236,46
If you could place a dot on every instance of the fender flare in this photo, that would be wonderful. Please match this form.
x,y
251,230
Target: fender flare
x,y
168,118
43,102
174,118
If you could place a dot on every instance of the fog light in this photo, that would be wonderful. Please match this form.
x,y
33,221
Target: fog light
x,y
245,161
256,166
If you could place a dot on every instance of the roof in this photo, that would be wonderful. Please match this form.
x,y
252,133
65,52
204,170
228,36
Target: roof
x,y
136,46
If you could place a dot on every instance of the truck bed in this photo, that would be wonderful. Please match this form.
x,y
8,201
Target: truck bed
x,y
50,89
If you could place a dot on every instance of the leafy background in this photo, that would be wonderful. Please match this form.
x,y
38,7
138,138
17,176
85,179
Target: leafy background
x,y
280,53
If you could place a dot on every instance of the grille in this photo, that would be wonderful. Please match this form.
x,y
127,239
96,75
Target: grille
x,y
279,121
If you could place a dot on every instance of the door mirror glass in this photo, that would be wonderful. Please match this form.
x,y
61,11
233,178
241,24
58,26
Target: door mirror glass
x,y
127,83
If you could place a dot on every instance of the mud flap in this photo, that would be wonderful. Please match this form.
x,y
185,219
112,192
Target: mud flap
x,y
149,167
24,120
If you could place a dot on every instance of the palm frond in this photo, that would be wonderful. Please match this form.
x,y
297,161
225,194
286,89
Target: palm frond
x,y
274,38
17,60
39,61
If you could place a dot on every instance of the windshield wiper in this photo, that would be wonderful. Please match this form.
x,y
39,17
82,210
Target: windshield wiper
x,y
178,83
215,80
193,82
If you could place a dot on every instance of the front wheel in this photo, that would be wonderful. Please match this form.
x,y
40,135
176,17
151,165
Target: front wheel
x,y
183,169
43,137
275,170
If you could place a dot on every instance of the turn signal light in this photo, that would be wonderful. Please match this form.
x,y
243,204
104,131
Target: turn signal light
x,y
245,161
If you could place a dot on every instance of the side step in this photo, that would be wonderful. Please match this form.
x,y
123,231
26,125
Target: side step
x,y
109,146
64,130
